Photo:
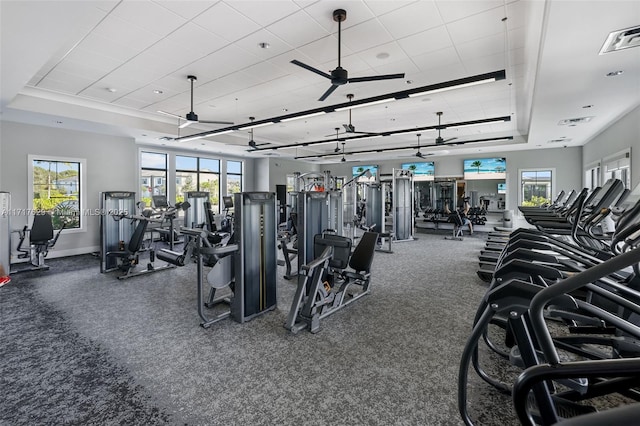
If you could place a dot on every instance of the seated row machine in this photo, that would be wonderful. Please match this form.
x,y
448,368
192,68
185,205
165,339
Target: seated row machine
x,y
325,285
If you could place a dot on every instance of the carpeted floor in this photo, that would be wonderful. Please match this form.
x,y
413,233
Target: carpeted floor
x,y
80,347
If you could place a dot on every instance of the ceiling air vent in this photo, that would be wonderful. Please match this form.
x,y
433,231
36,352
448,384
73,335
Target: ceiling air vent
x,y
621,39
574,121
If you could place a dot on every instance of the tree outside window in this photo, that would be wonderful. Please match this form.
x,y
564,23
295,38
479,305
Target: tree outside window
x,y
56,190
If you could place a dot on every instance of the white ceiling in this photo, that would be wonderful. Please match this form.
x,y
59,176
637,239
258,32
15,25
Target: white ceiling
x,y
95,66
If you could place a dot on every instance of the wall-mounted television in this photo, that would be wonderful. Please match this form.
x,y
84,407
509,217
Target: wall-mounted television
x,y
356,170
423,171
485,168
502,188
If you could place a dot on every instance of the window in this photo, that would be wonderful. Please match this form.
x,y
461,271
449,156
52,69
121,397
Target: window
x,y
56,187
618,166
536,187
153,175
592,176
198,174
234,177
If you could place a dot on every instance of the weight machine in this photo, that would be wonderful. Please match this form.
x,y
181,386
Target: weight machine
x,y
195,215
244,262
325,285
403,215
122,234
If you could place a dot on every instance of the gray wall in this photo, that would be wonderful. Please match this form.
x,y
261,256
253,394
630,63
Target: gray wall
x,y
111,165
566,161
621,135
279,168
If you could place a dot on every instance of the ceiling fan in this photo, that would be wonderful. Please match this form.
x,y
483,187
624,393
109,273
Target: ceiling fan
x,y
253,143
342,160
191,116
420,154
349,128
439,140
340,76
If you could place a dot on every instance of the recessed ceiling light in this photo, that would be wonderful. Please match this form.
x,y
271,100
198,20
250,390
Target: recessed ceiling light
x,y
382,55
614,73
264,45
111,89
158,92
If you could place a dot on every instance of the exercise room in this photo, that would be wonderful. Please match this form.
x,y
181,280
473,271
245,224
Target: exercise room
x,y
286,212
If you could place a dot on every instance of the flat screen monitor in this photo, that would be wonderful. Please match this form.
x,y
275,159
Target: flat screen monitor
x,y
423,171
485,168
227,201
502,188
356,170
160,201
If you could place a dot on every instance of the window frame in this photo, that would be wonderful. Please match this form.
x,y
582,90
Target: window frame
x,y
624,157
241,174
538,169
198,172
82,182
151,181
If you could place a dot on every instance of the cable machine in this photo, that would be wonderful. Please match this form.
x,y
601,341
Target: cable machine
x,y
255,231
195,215
403,222
317,211
114,234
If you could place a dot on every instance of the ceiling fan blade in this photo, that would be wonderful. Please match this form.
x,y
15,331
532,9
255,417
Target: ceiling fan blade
x,y
366,133
310,68
449,139
186,123
328,92
215,122
375,77
171,115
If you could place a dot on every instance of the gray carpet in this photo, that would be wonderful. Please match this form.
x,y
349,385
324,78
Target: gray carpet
x,y
80,347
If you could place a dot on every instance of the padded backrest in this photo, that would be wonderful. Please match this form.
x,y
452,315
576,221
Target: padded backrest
x,y
135,243
293,220
341,249
208,213
456,219
362,256
42,229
